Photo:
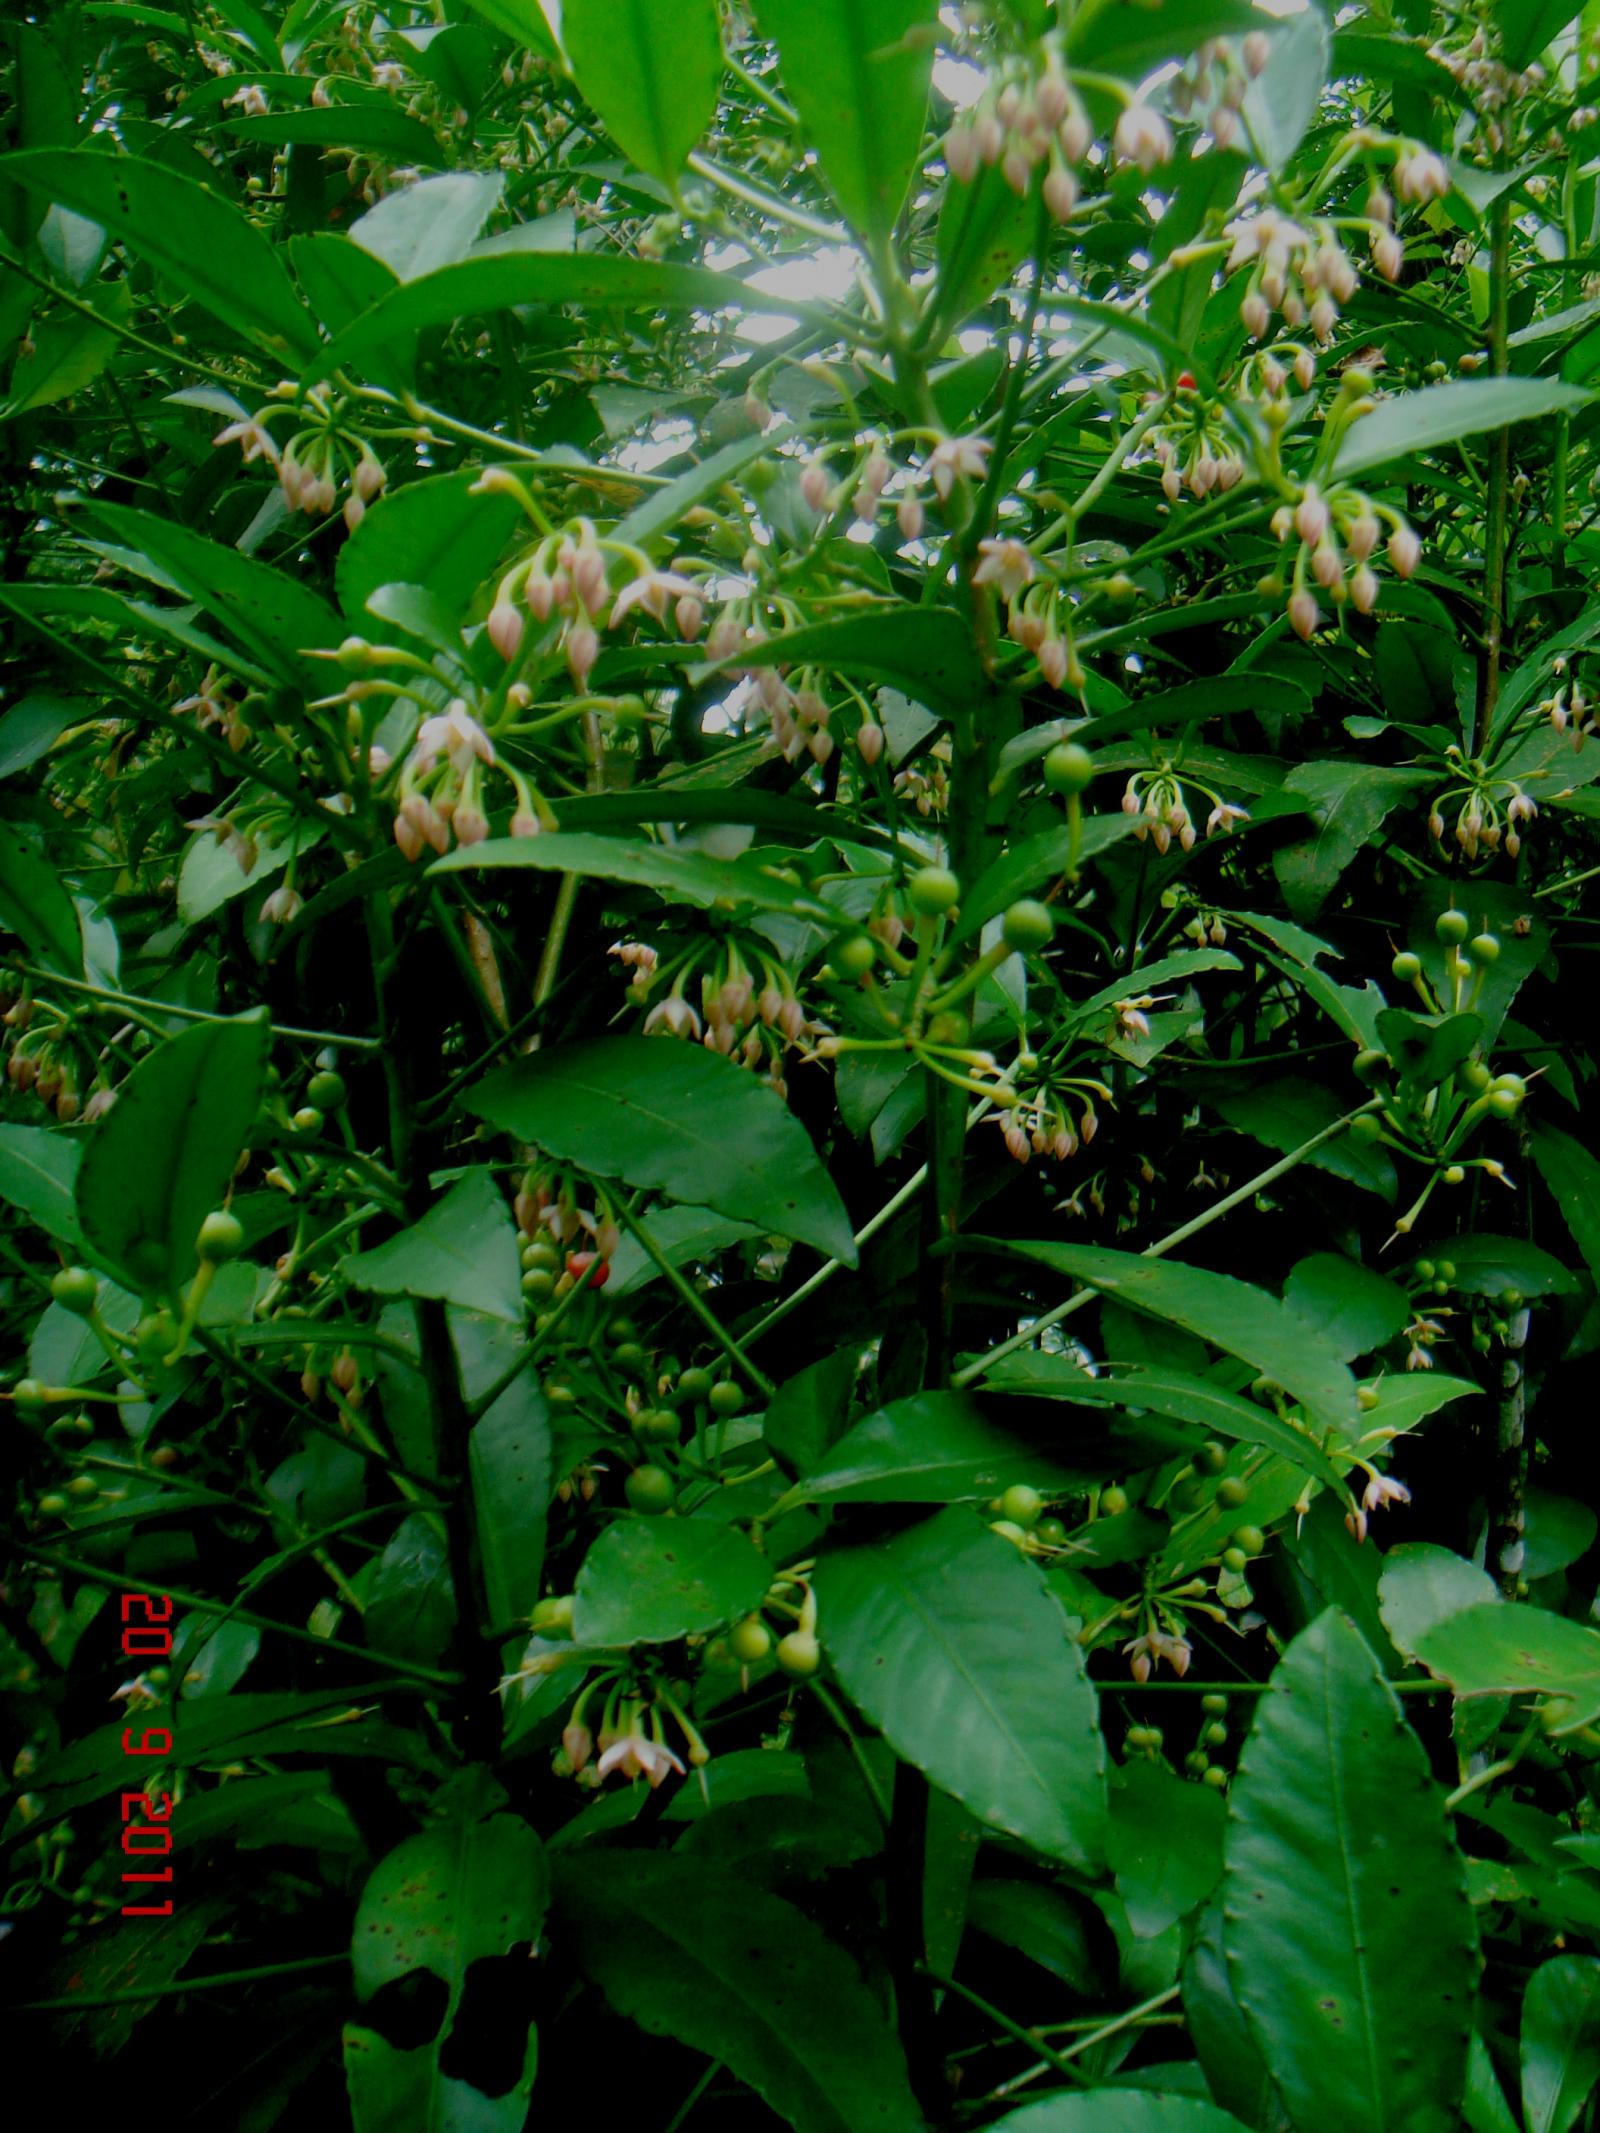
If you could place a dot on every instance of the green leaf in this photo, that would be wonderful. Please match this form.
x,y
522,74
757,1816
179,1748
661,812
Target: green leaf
x,y
742,1977
858,71
39,1175
650,72
163,1157
1354,1309
1422,1585
1235,2072
682,876
1495,1650
1047,1925
435,533
937,1447
340,280
682,1235
1177,1394
1164,1845
672,1118
662,509
1118,2110
35,906
1286,1111
1033,861
651,1580
68,354
419,228
1557,1530
1488,1266
273,616
211,876
1528,26
1349,801
926,651
191,234
1282,101
808,1413
370,129
1408,423
1113,38
523,20
1560,2042
458,1894
1427,1048
500,281
411,1603
1573,1176
510,1458
1345,1917
1229,1314
463,1251
985,231
956,1649
31,728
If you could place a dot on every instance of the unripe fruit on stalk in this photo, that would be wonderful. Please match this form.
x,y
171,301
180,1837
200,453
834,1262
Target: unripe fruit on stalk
x,y
949,1027
1068,768
542,1254
725,1398
630,1356
1484,948
933,890
152,1337
1368,1065
1214,1736
1504,1103
1232,1491
1235,1560
1028,925
1368,1126
750,1640
53,1506
650,1489
1451,927
538,1284
1113,1502
1186,1493
1210,1458
1215,1778
799,1653
1475,1076
76,1290
308,1119
694,1384
553,1617
326,1090
1050,1531
853,955
1213,1703
221,1238
655,1425
84,1487
1407,967
1250,1538
1022,1505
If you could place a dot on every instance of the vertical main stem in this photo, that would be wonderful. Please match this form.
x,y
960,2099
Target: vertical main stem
x,y
1495,519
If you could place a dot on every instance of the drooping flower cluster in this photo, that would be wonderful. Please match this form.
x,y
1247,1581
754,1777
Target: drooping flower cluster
x,y
1194,446
1300,271
1489,810
1216,80
1156,798
748,1010
442,785
1023,124
1337,531
324,459
1568,708
1042,1122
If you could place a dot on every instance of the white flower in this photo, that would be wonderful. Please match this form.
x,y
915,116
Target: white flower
x,y
457,735
253,438
636,1755
1224,815
651,590
1006,564
1143,137
954,456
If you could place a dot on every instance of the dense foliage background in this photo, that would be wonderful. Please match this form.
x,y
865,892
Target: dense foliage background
x,y
794,814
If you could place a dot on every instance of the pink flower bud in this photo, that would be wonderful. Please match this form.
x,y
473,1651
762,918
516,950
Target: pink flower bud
x,y
1052,100
1142,136
1255,313
870,738
1388,255
1015,169
1075,134
1305,370
961,154
1053,661
525,823
470,824
814,484
1255,51
1303,612
583,649
505,628
354,512
1311,517
909,514
1364,589
689,614
1060,193
1405,551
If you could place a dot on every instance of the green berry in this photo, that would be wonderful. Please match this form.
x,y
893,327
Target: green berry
x,y
651,1489
1050,1531
53,1506
799,1653
221,1238
1213,1703
1028,926
1451,927
1407,967
949,1027
1250,1538
934,890
1113,1502
1235,1560
750,1640
1454,1175
1484,948
1068,768
1367,1126
153,1337
538,1284
1197,1762
1211,1458
1022,1505
307,1119
1214,1736
630,1356
1368,1065
543,1251
656,1425
552,1617
76,1290
1425,1270
83,1486
1186,1494
1214,1777
1504,1103
853,955
1232,1491
725,1398
694,1384
326,1090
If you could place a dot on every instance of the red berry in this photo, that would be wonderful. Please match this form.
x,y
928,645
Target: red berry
x,y
579,1264
1186,382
